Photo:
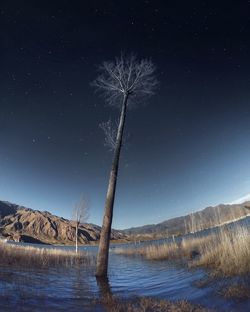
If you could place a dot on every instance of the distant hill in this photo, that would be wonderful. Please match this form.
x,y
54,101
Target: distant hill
x,y
206,218
21,223
28,225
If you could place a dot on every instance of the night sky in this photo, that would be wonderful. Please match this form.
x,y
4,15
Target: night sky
x,y
188,148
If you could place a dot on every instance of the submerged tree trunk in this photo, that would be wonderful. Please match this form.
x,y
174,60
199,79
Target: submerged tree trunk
x,y
103,252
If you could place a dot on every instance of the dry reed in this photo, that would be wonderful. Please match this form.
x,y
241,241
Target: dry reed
x,y
152,252
41,257
226,252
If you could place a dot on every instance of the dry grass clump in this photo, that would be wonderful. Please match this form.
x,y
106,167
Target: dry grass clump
x,y
188,248
228,254
195,246
152,252
162,252
144,304
42,257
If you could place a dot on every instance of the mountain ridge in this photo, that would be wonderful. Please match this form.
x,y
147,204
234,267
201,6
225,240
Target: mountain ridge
x,y
208,217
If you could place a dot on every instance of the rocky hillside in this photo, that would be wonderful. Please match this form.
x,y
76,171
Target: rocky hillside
x,y
206,218
21,223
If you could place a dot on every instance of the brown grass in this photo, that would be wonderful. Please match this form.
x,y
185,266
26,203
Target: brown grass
x,y
153,252
188,248
144,304
42,257
227,252
237,291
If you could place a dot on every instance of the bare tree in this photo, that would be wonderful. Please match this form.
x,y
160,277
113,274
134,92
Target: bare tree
x,y
109,134
123,81
80,214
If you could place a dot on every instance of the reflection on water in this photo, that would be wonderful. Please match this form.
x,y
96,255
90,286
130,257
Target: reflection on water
x,y
76,289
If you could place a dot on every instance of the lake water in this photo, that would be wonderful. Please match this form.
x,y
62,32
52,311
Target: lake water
x,y
74,289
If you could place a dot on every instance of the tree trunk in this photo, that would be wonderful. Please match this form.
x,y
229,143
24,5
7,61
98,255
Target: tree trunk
x,y
103,252
76,237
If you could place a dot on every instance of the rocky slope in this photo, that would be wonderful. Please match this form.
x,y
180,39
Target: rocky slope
x,y
206,218
21,223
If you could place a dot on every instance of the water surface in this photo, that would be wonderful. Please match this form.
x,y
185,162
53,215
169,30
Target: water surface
x,y
76,289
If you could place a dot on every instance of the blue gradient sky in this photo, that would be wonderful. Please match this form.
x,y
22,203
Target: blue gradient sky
x,y
187,149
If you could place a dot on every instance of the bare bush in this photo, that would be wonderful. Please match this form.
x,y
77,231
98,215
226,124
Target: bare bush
x,y
80,214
